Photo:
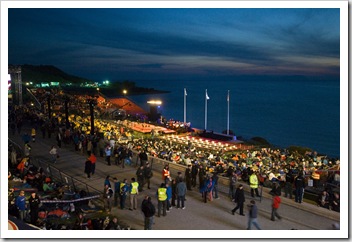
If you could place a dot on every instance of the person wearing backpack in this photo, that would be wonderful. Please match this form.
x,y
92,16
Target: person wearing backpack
x,y
123,193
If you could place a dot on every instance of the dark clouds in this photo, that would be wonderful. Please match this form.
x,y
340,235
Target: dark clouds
x,y
122,42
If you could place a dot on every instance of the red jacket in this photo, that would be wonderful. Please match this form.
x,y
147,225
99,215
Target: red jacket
x,y
166,174
276,202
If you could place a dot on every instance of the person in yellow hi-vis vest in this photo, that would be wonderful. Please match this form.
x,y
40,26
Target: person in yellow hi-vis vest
x,y
253,183
161,193
133,194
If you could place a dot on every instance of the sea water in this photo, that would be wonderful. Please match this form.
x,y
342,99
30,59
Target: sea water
x,y
284,111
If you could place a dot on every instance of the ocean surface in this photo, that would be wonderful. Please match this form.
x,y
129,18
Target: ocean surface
x,y
283,111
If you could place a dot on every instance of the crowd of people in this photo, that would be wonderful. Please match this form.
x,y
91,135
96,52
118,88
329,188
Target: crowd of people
x,y
115,142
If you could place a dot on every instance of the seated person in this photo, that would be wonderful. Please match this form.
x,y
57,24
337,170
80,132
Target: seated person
x,y
47,187
324,200
335,203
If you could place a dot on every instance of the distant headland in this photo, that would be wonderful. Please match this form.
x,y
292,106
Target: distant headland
x,y
48,76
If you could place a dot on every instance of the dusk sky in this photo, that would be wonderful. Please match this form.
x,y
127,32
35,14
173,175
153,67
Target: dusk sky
x,y
119,44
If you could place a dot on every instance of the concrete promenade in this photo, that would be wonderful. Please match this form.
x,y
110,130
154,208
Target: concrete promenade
x,y
214,215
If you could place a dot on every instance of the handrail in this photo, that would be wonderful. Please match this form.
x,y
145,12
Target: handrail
x,y
35,99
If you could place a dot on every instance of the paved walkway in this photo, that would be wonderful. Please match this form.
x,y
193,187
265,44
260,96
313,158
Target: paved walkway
x,y
215,215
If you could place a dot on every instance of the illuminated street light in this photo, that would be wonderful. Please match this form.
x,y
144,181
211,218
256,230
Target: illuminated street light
x,y
153,114
155,102
124,91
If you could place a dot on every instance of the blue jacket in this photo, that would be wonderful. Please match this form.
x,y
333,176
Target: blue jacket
x,y
21,203
169,192
253,213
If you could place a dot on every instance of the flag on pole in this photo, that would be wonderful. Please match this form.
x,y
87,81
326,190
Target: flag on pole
x,y
206,95
185,92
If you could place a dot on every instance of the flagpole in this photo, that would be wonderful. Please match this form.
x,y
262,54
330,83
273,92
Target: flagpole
x,y
206,109
184,106
228,112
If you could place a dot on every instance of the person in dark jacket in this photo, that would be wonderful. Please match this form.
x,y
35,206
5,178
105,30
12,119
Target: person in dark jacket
x,y
289,183
194,172
239,199
300,185
88,168
34,202
188,177
113,225
181,190
140,178
252,215
148,174
201,176
215,188
148,210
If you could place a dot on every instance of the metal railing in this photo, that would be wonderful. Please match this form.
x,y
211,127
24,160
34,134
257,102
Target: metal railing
x,y
59,176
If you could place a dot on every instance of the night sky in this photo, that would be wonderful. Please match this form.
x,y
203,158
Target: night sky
x,y
172,43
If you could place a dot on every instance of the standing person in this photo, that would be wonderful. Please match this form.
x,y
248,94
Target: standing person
x,y
201,176
232,188
169,194
239,199
149,210
215,187
21,205
34,202
133,194
54,153
275,206
181,189
108,195
162,197
289,183
194,172
88,167
148,174
93,160
101,145
166,176
140,177
173,193
123,193
253,183
188,177
209,189
116,191
300,185
143,157
107,181
108,154
179,176
252,215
